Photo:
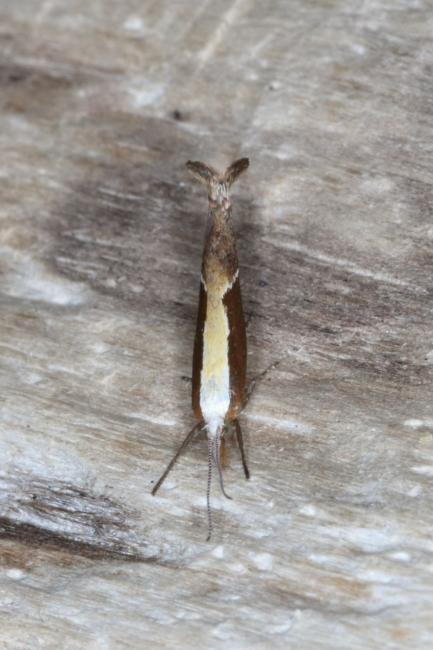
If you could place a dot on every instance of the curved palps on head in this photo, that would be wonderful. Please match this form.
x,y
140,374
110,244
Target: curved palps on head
x,y
217,184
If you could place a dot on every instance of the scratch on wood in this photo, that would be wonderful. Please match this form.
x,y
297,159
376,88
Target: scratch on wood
x,y
344,264
86,524
227,20
32,535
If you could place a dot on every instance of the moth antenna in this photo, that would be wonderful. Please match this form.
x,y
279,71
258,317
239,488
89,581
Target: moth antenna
x,y
217,457
209,480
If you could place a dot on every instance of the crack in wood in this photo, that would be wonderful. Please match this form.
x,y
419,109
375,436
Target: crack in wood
x,y
36,536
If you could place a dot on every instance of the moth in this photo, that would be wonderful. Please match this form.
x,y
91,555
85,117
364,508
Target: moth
x,y
220,347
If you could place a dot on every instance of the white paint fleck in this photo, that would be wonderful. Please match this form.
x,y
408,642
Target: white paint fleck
x,y
224,631
309,510
415,423
283,628
358,48
237,567
99,347
163,616
426,470
282,424
415,491
258,533
263,561
136,288
134,24
285,151
400,556
233,597
317,558
275,85
15,574
374,576
32,378
145,94
218,552
377,185
187,615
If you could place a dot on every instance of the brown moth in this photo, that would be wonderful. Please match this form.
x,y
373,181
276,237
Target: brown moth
x,y
220,348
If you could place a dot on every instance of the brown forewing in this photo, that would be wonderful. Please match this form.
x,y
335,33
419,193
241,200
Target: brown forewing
x,y
197,357
237,349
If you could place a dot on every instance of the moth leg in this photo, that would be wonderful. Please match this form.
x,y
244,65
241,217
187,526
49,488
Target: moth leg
x,y
223,452
251,386
241,448
182,447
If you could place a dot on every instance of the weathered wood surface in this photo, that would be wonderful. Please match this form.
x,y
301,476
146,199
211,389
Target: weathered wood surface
x,y
330,543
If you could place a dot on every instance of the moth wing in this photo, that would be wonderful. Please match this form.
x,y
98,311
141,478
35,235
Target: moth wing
x,y
237,348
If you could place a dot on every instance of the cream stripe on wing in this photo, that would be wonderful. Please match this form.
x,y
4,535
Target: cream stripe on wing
x,y
215,374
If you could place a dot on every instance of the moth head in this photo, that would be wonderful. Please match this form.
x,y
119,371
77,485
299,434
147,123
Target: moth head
x,y
217,184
